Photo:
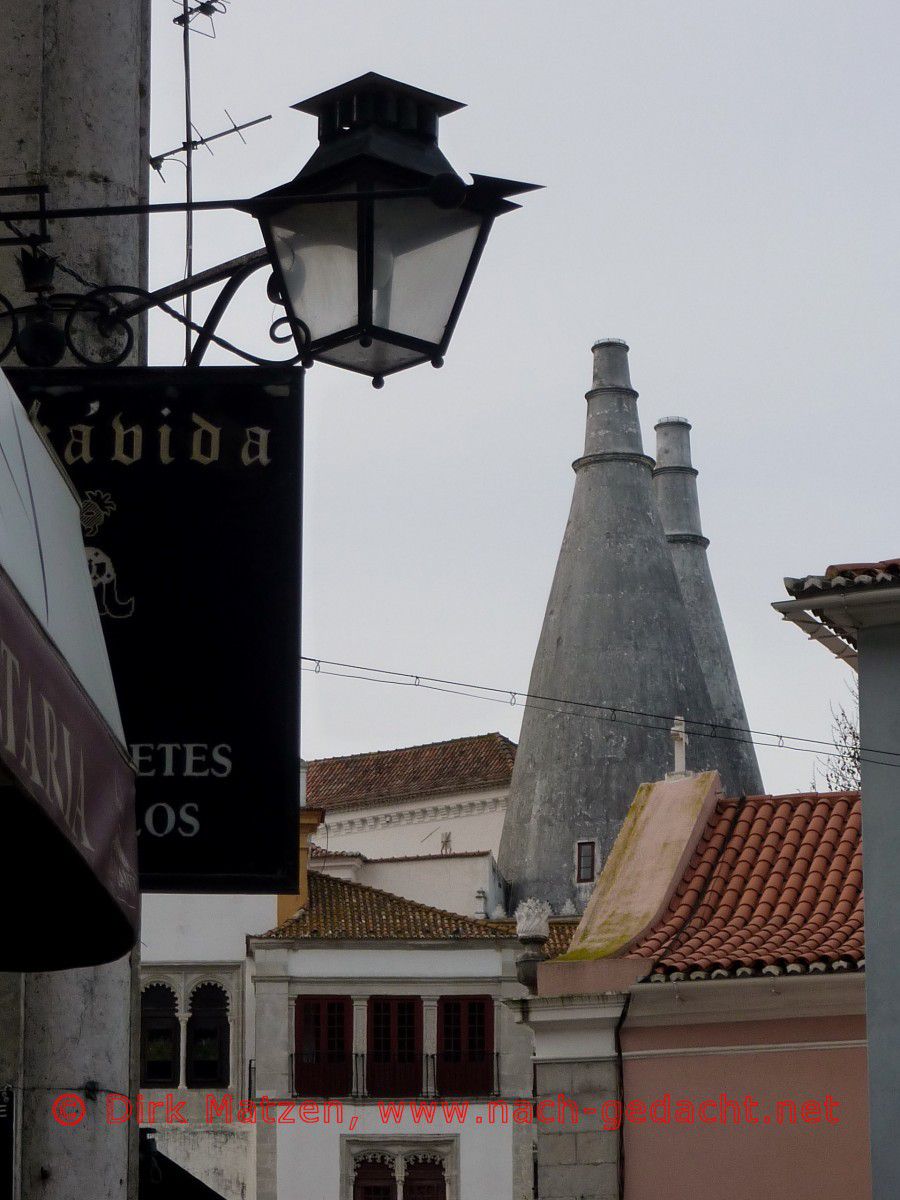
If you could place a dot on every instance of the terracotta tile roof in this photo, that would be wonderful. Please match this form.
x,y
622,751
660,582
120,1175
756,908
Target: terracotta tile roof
x,y
463,764
562,930
774,885
339,910
847,575
316,851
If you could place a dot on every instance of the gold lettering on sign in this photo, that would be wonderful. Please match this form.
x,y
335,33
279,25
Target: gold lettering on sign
x,y
202,442
165,445
256,447
43,430
205,442
133,435
78,447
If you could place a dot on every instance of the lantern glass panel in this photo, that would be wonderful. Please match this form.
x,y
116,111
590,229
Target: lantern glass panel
x,y
421,253
316,247
378,359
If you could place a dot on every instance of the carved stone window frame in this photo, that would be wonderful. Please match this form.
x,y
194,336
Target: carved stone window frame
x,y
183,980
398,1153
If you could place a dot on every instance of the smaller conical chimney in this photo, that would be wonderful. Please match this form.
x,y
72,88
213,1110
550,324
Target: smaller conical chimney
x,y
675,480
675,484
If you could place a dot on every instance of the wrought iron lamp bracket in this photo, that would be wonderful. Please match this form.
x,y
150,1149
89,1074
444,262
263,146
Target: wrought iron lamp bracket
x,y
110,311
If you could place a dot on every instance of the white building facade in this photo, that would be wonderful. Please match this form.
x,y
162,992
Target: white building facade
x,y
388,1019
362,1048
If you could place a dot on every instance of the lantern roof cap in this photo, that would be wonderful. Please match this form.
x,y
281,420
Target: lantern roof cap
x,y
373,83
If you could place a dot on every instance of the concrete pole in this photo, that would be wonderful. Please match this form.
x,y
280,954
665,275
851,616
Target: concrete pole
x,y
74,94
879,728
675,484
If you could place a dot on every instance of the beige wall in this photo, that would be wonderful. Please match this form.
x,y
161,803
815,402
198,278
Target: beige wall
x,y
801,1060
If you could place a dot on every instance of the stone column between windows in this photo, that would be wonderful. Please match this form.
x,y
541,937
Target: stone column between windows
x,y
234,1075
360,1043
400,1174
429,1044
497,1063
182,1051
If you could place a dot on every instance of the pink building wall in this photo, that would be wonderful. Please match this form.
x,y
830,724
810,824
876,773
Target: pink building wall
x,y
799,1060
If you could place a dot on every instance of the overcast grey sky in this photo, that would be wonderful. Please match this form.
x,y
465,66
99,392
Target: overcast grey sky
x,y
721,192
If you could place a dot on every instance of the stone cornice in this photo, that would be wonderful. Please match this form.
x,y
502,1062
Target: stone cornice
x,y
711,1001
359,819
571,1028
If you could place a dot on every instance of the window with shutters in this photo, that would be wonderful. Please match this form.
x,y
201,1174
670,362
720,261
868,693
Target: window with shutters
x,y
394,1056
323,1046
465,1046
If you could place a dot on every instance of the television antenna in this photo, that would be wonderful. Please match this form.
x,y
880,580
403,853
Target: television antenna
x,y
196,16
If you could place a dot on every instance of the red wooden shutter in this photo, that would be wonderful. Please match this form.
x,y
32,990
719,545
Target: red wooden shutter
x,y
465,1047
394,1056
323,1046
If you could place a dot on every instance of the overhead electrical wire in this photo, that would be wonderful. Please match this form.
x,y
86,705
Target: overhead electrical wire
x,y
611,713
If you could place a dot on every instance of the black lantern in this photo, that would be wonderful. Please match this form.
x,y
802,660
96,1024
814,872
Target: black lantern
x,y
375,243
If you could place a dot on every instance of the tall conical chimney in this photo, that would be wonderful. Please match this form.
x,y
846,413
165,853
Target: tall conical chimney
x,y
675,482
616,634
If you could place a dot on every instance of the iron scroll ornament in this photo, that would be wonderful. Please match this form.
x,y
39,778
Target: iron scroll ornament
x,y
96,328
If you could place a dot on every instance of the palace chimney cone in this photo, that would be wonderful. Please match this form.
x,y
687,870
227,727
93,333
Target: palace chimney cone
x,y
615,662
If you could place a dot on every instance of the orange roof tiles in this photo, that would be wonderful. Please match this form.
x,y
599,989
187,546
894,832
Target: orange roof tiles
x,y
463,764
317,851
847,575
562,930
339,910
774,884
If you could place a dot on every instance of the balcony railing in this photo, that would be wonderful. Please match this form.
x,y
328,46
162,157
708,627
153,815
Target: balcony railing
x,y
444,1078
426,1076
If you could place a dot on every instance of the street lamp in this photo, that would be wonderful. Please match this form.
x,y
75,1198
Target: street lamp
x,y
372,247
374,275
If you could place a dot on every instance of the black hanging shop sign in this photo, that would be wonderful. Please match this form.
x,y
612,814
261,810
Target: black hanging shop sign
x,y
190,482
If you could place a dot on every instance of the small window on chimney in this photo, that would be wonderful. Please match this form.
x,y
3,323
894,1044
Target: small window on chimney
x,y
585,872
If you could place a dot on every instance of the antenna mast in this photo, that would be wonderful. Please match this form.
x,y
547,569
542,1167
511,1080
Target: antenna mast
x,y
192,137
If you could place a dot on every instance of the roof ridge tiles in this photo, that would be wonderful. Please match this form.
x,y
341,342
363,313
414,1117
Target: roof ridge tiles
x,y
473,737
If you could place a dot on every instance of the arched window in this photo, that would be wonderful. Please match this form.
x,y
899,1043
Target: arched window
x,y
208,1038
374,1181
160,1037
424,1181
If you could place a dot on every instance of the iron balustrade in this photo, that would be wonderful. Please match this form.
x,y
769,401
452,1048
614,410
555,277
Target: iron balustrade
x,y
413,1080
